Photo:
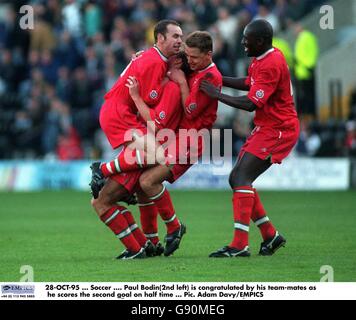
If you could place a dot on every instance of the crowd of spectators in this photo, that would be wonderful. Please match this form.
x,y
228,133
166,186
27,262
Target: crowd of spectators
x,y
53,77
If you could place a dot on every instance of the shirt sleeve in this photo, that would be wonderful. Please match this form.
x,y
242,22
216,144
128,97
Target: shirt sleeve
x,y
264,85
151,83
197,100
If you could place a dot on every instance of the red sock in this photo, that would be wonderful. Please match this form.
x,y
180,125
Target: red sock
x,y
148,216
261,220
135,230
118,224
127,160
243,201
166,210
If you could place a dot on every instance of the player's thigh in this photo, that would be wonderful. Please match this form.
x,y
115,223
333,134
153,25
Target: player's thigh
x,y
247,169
153,176
111,193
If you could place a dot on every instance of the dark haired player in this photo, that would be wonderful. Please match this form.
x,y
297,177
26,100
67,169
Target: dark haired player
x,y
275,134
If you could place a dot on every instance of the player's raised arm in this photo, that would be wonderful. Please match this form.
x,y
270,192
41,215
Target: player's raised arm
x,y
236,83
242,102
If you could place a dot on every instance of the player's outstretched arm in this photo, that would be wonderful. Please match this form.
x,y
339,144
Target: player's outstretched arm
x,y
236,83
242,102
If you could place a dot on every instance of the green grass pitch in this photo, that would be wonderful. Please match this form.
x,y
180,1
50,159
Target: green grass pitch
x,y
59,235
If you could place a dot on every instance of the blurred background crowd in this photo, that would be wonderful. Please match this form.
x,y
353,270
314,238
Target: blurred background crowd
x,y
53,77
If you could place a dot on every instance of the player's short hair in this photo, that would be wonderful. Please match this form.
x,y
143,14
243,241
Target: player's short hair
x,y
261,28
185,65
201,40
161,27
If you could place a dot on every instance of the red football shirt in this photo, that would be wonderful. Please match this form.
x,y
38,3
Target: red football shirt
x,y
201,109
168,112
271,89
149,69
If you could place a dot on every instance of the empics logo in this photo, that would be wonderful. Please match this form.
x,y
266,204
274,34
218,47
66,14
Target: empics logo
x,y
17,289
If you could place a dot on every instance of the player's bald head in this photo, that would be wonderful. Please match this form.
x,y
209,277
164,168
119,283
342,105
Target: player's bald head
x,y
260,28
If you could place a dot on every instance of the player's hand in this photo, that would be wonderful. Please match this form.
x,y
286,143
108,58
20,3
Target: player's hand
x,y
176,75
209,89
133,86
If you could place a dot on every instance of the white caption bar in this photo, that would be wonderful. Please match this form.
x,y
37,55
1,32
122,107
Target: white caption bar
x,y
179,291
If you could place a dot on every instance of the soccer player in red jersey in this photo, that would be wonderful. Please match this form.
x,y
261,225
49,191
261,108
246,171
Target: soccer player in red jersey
x,y
170,106
166,115
118,218
118,119
275,134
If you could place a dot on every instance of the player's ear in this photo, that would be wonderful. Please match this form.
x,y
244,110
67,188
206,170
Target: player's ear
x,y
260,41
160,37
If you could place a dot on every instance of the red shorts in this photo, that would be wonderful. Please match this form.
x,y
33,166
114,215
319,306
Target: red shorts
x,y
129,180
273,143
118,123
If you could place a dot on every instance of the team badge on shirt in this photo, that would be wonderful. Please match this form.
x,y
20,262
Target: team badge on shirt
x,y
260,94
192,107
153,94
162,115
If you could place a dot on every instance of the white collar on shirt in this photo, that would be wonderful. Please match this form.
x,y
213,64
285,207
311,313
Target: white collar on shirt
x,y
164,58
265,54
209,66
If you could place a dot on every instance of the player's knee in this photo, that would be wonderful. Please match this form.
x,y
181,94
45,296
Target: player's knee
x,y
97,206
146,182
103,203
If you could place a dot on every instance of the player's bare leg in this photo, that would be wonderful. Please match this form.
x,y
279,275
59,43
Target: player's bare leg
x,y
110,194
151,183
98,181
119,219
247,169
